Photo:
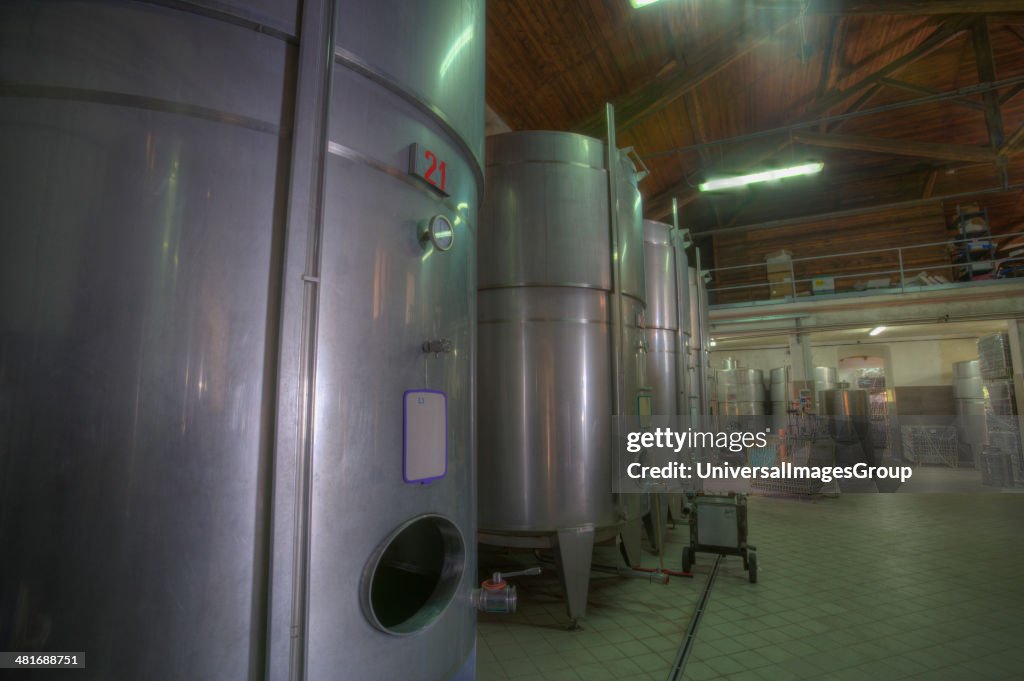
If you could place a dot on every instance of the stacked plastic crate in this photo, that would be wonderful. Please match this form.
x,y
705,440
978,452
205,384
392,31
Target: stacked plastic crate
x,y
1004,452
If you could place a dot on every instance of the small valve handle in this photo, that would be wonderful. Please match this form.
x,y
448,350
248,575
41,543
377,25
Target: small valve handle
x,y
528,572
498,580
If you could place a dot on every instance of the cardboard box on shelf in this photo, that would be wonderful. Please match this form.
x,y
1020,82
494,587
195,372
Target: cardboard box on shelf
x,y
780,286
779,261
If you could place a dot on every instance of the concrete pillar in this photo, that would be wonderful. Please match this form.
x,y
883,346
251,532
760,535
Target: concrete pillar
x,y
801,364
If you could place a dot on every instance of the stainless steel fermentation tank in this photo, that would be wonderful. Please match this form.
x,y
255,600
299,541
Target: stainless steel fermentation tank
x,y
784,392
220,311
740,392
669,333
968,391
674,338
547,337
849,421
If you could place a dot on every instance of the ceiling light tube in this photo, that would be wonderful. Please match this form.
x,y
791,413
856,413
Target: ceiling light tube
x,y
877,330
641,3
765,176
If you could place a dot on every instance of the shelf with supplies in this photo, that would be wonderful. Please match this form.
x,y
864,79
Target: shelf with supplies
x,y
973,253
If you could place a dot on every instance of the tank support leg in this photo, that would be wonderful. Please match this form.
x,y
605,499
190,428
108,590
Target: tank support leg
x,y
656,517
675,507
632,539
574,555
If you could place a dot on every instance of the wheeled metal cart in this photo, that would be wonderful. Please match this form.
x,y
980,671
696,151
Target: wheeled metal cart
x,y
718,524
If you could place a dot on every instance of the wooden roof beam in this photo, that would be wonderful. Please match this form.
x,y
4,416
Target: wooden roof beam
x,y
897,147
922,90
661,205
939,37
987,74
1012,144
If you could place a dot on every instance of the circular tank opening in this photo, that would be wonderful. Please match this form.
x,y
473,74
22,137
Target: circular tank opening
x,y
414,574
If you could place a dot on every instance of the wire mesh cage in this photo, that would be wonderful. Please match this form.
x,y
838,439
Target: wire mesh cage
x,y
1002,425
994,356
808,446
931,445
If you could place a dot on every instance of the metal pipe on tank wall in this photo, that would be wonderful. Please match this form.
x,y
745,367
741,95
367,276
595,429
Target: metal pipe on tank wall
x,y
702,332
617,345
320,24
682,289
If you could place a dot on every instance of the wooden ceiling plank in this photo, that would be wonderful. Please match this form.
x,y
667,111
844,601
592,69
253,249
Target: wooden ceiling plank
x,y
694,113
929,184
851,212
671,84
898,147
891,7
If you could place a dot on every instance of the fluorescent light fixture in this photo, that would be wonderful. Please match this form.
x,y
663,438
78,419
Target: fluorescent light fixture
x,y
712,342
641,3
877,330
766,176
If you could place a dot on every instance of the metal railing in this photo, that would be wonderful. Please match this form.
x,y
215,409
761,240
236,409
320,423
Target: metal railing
x,y
792,284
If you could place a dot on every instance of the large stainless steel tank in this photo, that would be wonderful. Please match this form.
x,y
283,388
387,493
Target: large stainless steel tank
x,y
849,412
969,394
740,392
546,336
665,267
208,328
781,391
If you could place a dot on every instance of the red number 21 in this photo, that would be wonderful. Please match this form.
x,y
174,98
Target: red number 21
x,y
429,175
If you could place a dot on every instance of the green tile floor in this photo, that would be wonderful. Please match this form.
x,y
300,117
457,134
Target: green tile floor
x,y
875,587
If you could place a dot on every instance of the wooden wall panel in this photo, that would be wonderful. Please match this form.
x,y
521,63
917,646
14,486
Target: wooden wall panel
x,y
871,231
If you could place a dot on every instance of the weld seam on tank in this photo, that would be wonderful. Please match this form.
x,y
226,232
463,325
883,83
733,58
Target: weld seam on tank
x,y
262,25
127,100
541,284
572,164
527,320
354,63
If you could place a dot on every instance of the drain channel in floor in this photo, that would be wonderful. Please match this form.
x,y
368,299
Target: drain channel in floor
x,y
690,638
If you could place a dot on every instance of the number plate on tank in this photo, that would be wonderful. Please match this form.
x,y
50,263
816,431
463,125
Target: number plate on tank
x,y
425,440
429,167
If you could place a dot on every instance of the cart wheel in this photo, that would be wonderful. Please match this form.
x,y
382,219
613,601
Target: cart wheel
x,y
752,562
687,558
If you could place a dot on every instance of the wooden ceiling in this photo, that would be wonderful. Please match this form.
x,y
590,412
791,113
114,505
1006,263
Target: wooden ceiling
x,y
903,100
